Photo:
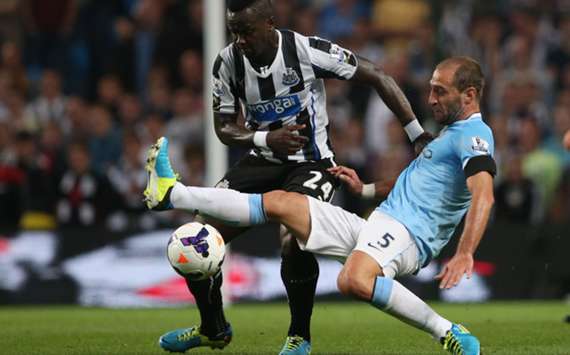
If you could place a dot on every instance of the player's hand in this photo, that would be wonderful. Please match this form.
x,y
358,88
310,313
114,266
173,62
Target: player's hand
x,y
286,140
349,177
421,141
454,270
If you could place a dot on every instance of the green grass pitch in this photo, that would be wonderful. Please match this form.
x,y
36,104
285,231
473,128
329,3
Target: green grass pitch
x,y
338,328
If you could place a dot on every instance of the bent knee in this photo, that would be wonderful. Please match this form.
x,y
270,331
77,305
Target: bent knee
x,y
357,286
279,203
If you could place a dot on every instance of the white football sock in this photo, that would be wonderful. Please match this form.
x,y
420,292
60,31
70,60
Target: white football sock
x,y
227,205
393,298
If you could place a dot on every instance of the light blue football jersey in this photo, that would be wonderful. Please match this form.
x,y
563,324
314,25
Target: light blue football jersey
x,y
430,196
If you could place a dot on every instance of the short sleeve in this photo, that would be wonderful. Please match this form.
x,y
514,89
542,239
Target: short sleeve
x,y
475,148
330,60
224,98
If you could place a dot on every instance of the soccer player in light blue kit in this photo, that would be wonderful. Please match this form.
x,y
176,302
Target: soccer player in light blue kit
x,y
450,179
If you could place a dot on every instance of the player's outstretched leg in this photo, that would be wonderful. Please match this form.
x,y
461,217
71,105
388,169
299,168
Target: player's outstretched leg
x,y
164,192
362,278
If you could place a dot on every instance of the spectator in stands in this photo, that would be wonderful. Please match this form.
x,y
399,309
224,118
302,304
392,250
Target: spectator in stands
x,y
181,29
129,179
110,94
75,125
396,21
11,181
12,66
338,18
186,125
192,71
516,197
104,141
85,201
52,148
130,112
85,198
541,166
160,101
194,164
37,194
147,15
303,21
50,103
49,25
10,21
554,144
558,58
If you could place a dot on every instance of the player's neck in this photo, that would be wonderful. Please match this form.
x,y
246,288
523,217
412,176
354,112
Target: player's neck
x,y
468,112
267,56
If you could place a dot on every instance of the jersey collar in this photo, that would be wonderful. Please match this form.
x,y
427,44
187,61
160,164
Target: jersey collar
x,y
474,116
268,69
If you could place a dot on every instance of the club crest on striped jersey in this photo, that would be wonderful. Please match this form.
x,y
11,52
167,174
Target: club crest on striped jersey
x,y
217,87
290,77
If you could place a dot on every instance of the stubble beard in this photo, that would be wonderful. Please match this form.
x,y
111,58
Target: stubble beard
x,y
454,112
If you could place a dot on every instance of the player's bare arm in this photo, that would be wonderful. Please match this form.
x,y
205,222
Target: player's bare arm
x,y
481,187
351,179
283,140
368,73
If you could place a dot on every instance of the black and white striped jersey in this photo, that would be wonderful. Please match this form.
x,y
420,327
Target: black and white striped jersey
x,y
289,91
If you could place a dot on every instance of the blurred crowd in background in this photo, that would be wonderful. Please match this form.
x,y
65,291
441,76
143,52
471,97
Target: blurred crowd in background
x,y
87,85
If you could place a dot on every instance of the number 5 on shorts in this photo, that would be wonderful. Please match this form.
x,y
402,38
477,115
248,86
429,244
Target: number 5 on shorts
x,y
386,238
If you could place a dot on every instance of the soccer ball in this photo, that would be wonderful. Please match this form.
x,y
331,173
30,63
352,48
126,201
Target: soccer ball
x,y
196,251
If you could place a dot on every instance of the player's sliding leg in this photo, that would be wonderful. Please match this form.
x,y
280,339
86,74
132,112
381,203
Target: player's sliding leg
x,y
384,250
362,278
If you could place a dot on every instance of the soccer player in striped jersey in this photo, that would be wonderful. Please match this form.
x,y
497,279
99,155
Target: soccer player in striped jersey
x,y
274,78
452,178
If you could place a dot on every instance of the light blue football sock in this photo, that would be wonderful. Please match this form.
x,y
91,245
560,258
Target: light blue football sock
x,y
382,291
228,206
392,297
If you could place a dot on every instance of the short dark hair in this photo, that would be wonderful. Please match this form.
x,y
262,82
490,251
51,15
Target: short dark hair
x,y
261,7
467,74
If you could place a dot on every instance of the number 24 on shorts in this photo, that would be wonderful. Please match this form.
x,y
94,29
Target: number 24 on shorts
x,y
326,188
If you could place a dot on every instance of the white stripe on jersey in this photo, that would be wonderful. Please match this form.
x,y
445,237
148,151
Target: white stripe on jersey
x,y
289,91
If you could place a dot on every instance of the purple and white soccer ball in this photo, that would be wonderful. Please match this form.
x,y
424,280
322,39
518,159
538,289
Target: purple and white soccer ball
x,y
196,250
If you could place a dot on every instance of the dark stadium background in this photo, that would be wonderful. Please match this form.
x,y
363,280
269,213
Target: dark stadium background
x,y
87,85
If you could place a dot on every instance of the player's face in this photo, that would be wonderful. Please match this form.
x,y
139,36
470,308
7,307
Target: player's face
x,y
250,33
444,98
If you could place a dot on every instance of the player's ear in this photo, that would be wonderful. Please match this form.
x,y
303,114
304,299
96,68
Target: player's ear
x,y
469,95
